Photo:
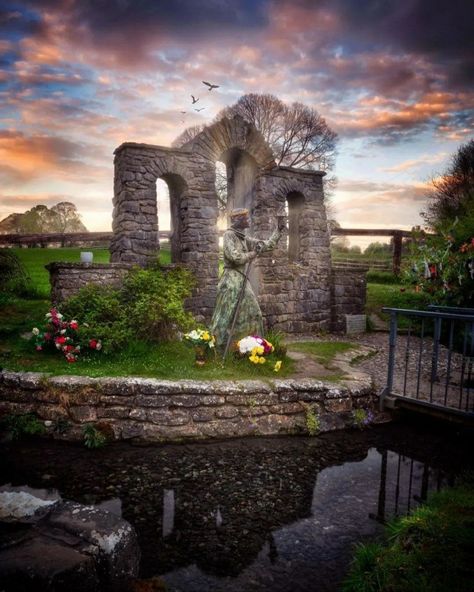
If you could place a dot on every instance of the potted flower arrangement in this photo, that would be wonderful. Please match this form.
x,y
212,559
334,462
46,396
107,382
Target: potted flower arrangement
x,y
203,341
62,335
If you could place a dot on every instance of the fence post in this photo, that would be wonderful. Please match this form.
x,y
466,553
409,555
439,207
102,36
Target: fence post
x,y
397,251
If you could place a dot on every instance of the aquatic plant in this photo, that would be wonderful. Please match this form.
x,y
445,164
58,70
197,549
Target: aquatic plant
x,y
27,424
313,423
362,418
93,437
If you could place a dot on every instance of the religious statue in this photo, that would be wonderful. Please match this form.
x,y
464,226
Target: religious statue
x,y
237,312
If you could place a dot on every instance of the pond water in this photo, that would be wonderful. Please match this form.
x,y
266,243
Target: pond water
x,y
278,514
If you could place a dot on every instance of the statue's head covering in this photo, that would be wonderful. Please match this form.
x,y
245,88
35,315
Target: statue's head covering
x,y
238,213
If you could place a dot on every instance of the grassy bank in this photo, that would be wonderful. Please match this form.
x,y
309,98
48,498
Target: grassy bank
x,y
35,259
429,551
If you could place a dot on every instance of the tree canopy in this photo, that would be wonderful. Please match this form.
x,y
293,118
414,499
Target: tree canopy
x,y
451,195
62,217
298,135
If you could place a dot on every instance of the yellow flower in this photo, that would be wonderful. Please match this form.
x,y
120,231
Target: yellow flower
x,y
260,349
277,366
253,359
262,360
206,336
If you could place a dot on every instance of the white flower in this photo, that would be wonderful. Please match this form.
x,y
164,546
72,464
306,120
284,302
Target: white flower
x,y
247,344
59,315
35,331
48,315
58,346
99,345
62,331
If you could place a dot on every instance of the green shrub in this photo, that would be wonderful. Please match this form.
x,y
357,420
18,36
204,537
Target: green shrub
x,y
149,306
13,274
154,299
101,314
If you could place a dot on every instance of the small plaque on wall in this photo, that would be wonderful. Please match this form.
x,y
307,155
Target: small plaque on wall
x,y
356,324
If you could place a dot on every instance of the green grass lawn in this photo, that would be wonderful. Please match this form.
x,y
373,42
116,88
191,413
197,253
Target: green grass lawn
x,y
323,351
35,259
173,360
394,296
431,550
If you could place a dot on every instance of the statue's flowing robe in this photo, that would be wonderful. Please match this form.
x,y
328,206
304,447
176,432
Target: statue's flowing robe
x,y
237,249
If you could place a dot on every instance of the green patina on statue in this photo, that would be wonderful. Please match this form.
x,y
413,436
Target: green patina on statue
x,y
237,312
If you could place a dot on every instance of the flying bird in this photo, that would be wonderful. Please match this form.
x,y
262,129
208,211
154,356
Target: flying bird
x,y
183,112
211,86
194,99
199,109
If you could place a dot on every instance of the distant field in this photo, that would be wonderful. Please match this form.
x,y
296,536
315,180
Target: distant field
x,y
35,259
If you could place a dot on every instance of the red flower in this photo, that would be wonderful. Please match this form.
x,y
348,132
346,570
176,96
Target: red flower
x,y
47,336
93,343
69,348
60,339
74,325
38,348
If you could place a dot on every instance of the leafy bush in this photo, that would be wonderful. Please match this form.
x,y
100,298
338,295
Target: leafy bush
x,y
154,299
149,306
13,274
442,266
102,316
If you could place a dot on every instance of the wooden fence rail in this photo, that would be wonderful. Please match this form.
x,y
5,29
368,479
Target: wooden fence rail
x,y
91,238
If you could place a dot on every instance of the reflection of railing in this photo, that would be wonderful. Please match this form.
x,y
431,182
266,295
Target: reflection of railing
x,y
431,365
404,484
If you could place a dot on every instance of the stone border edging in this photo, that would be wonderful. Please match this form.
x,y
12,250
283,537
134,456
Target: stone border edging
x,y
151,409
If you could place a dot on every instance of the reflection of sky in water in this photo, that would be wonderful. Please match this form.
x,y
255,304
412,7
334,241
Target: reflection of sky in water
x,y
312,553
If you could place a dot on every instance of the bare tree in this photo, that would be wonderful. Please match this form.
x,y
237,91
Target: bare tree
x,y
189,134
298,135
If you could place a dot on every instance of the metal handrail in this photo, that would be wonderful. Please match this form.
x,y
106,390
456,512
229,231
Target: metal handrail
x,y
426,370
429,314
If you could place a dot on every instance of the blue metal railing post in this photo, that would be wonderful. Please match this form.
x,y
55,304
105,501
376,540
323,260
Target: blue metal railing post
x,y
391,351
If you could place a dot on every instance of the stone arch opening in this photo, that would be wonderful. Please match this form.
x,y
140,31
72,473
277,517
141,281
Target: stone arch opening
x,y
176,187
294,205
241,171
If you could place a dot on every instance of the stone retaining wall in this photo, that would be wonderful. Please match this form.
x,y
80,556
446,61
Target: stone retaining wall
x,y
161,410
67,279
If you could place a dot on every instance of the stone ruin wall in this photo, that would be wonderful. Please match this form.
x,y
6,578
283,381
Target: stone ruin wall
x,y
295,290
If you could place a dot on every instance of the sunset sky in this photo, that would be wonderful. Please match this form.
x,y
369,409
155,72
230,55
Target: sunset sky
x,y
79,77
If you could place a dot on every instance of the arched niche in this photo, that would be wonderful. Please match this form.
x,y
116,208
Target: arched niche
x,y
176,190
241,169
294,206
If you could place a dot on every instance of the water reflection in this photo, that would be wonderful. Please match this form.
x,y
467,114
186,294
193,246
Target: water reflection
x,y
277,514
